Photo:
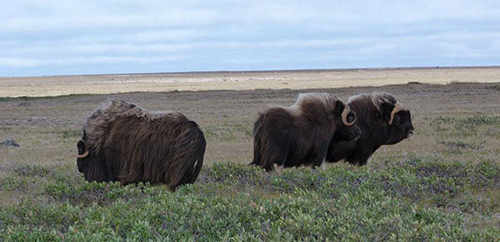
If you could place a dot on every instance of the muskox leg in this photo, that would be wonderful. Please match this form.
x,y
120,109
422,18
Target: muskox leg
x,y
320,158
278,169
323,165
364,161
276,157
359,159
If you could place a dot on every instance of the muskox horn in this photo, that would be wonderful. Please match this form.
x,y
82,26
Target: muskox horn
x,y
397,107
83,155
346,111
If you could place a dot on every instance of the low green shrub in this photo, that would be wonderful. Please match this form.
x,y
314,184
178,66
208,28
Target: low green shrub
x,y
413,200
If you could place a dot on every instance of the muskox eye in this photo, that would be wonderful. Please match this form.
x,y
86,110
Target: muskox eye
x,y
397,119
350,118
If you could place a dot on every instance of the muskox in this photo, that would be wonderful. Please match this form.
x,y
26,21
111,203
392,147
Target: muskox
x,y
383,121
125,143
300,134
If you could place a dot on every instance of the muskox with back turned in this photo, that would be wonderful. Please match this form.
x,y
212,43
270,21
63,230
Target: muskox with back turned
x,y
383,121
300,134
123,142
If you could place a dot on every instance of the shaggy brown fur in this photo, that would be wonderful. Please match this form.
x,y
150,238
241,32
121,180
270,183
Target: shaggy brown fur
x,y
129,144
378,128
300,134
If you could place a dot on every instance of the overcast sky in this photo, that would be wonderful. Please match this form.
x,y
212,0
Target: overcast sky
x,y
59,37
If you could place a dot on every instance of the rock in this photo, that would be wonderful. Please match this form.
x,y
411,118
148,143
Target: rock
x,y
9,142
24,104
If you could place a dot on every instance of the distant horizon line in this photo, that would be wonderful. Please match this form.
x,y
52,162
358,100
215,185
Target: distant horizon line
x,y
267,71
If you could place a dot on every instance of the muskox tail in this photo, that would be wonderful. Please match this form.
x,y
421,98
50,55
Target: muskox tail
x,y
189,160
257,139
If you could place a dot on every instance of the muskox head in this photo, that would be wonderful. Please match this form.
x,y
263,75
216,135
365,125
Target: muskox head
x,y
396,117
90,163
83,154
400,125
348,129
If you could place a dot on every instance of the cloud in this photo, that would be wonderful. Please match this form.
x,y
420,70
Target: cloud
x,y
29,62
38,36
18,62
54,15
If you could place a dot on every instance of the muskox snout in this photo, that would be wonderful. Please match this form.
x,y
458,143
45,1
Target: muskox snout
x,y
356,135
359,134
409,132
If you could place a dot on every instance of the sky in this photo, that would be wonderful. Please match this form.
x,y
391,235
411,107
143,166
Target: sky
x,y
70,37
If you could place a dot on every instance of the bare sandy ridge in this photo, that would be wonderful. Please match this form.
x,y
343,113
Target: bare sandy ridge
x,y
306,79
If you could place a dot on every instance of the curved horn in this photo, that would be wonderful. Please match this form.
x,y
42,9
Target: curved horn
x,y
346,111
397,107
83,155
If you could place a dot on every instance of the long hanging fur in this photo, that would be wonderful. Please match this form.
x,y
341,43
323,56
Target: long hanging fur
x,y
299,134
130,145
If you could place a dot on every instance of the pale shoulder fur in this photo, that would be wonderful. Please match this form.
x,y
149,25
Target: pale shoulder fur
x,y
377,98
305,99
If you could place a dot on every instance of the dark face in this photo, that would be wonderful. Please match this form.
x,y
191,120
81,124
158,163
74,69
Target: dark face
x,y
348,133
85,157
401,127
89,163
80,162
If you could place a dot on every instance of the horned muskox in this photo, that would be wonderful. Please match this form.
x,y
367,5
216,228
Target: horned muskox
x,y
300,134
383,121
123,142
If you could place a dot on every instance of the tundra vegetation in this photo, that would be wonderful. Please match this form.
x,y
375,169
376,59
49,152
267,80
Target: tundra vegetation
x,y
442,184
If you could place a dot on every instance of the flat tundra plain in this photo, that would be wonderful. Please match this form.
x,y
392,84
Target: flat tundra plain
x,y
313,79
47,128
